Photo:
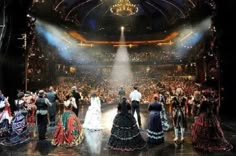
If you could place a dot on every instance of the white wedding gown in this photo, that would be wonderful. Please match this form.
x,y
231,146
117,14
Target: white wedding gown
x,y
93,117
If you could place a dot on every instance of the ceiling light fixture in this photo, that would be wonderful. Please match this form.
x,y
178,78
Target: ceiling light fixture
x,y
124,8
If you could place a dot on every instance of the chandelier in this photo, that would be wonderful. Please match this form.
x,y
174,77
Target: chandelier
x,y
124,8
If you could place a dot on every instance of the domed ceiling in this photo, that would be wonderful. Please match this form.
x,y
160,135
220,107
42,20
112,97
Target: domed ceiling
x,y
95,16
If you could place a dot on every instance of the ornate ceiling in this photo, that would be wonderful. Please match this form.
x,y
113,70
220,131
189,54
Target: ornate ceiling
x,y
152,16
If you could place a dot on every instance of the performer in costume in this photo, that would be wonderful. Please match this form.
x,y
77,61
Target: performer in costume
x,y
125,135
68,131
164,119
77,97
93,117
135,97
155,131
5,120
42,104
18,132
52,97
121,93
7,105
30,107
21,104
179,121
207,134
197,97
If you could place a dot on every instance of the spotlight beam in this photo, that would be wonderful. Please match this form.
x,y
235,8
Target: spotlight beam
x,y
186,36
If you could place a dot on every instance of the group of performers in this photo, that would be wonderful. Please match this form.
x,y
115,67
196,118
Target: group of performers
x,y
13,126
206,132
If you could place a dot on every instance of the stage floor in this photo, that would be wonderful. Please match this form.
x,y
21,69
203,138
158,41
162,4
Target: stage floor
x,y
95,142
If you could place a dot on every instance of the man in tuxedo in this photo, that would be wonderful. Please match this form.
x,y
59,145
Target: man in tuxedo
x,y
77,97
